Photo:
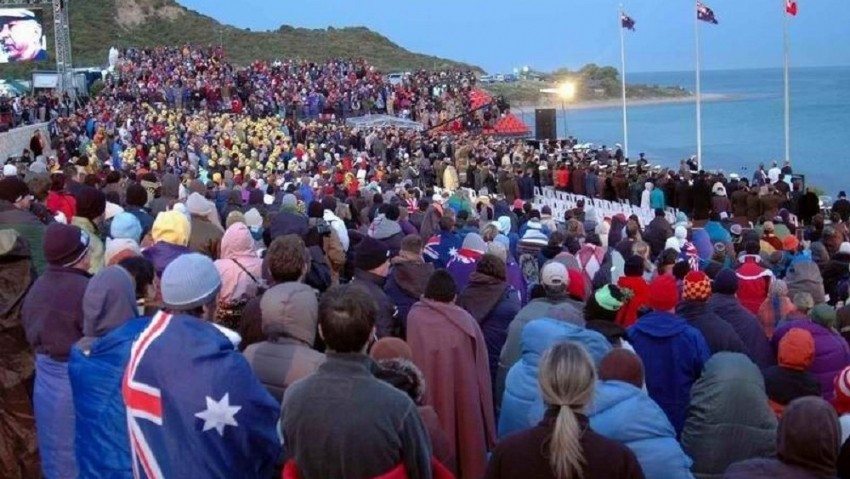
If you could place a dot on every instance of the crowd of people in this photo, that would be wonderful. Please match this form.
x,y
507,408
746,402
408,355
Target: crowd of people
x,y
187,266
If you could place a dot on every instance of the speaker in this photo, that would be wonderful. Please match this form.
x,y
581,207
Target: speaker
x,y
545,126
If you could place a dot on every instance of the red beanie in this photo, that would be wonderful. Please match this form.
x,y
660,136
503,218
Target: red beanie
x,y
665,295
697,286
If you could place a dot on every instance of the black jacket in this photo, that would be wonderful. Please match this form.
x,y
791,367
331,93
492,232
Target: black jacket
x,y
719,334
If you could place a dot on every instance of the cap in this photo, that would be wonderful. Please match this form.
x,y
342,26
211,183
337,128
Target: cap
x,y
554,274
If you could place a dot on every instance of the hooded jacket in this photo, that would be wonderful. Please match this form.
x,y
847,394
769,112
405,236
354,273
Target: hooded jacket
x,y
804,277
832,354
290,319
806,445
791,379
753,282
522,402
388,231
728,419
624,413
673,354
746,325
405,285
52,312
493,304
96,367
719,334
240,268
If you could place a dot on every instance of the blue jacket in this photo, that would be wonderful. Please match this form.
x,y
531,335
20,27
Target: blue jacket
x,y
728,308
521,402
627,415
101,419
673,355
656,199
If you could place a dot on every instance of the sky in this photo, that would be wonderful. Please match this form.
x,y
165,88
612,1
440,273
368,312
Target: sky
x,y
500,35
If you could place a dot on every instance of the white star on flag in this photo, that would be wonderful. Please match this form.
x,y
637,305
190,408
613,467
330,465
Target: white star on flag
x,y
219,414
452,252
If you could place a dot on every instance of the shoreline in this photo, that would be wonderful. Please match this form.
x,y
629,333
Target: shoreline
x,y
617,103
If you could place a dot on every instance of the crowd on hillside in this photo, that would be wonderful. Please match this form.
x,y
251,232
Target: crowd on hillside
x,y
287,297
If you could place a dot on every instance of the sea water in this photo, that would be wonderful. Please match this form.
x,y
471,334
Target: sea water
x,y
737,133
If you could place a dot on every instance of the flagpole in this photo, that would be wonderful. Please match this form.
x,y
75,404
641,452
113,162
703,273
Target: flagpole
x,y
623,78
699,97
787,83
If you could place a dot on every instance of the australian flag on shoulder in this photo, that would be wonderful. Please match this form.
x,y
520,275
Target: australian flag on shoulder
x,y
706,14
194,408
442,248
627,22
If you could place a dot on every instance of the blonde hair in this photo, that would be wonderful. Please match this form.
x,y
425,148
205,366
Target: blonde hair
x,y
567,378
489,232
641,248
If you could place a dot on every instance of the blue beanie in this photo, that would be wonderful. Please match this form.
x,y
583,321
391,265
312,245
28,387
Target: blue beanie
x,y
126,226
189,282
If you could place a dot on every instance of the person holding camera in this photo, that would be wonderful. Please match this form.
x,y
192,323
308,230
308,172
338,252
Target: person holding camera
x,y
323,235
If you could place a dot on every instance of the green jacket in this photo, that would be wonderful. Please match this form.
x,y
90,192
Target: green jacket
x,y
29,227
96,248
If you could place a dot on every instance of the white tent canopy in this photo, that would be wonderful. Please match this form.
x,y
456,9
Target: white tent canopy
x,y
383,121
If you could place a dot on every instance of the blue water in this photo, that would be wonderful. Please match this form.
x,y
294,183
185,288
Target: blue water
x,y
740,133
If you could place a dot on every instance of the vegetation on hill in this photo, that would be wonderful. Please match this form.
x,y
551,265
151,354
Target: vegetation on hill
x,y
97,25
592,83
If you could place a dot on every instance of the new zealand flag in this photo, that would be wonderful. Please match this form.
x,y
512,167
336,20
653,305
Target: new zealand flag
x,y
706,14
194,407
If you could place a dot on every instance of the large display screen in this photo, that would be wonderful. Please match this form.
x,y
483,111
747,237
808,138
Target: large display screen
x,y
22,36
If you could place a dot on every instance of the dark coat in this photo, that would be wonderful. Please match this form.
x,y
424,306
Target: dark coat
x,y
53,311
746,325
29,227
205,237
387,320
405,285
656,234
719,334
835,271
519,455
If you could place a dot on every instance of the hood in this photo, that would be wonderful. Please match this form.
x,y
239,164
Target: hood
x,y
797,349
170,186
290,310
109,302
730,390
382,228
659,324
624,413
807,436
481,295
113,247
412,276
540,334
162,254
805,276
691,310
237,241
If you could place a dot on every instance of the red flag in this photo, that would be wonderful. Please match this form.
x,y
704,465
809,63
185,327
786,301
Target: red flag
x,y
791,7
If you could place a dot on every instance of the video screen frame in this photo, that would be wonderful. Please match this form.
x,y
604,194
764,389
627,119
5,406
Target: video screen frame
x,y
23,37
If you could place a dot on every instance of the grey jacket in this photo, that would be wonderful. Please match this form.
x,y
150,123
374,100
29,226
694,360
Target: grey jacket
x,y
344,422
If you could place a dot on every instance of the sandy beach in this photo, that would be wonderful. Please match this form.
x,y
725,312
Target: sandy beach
x,y
616,103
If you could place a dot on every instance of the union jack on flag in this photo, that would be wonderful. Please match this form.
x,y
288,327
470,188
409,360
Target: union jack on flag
x,y
706,14
627,22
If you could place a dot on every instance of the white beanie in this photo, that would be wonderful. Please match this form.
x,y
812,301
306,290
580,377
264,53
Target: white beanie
x,y
10,170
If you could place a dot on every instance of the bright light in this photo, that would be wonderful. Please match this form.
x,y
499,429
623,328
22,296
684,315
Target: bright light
x,y
567,90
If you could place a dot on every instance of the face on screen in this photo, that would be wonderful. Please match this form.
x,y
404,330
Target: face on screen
x,y
20,39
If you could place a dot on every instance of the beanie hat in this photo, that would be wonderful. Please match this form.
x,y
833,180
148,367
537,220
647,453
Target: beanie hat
x,y
329,203
474,242
64,245
315,210
127,226
370,254
10,170
13,189
390,348
504,224
842,392
137,195
697,287
171,227
253,218
726,282
189,282
664,295
824,315
622,365
91,202
609,297
634,266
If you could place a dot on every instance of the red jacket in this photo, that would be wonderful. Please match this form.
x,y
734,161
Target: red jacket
x,y
562,178
753,283
628,313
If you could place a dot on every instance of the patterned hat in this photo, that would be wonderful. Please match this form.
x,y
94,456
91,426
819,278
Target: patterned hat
x,y
697,287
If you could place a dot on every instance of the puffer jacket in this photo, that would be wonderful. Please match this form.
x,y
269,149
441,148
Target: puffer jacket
x,y
832,354
521,403
790,379
624,413
753,282
290,316
719,334
405,285
729,419
804,277
746,325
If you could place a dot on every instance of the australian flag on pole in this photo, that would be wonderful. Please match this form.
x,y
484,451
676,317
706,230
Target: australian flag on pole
x,y
706,14
194,408
627,22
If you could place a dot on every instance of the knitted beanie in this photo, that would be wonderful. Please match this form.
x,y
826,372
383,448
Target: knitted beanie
x,y
622,365
64,245
664,295
370,254
697,287
127,226
189,282
91,202
726,282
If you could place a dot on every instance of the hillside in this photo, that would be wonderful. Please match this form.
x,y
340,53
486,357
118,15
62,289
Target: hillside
x,y
96,25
